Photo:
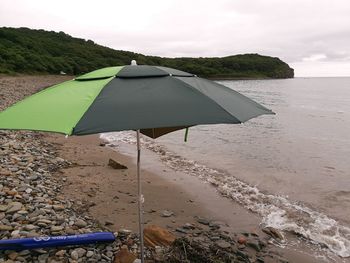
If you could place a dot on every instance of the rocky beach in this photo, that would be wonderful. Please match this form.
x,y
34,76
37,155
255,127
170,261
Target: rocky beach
x,y
52,185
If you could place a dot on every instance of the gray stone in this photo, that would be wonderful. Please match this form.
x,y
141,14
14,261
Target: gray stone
x,y
80,223
60,253
5,228
74,255
43,258
222,244
182,230
56,228
3,208
167,213
89,254
203,221
30,227
12,255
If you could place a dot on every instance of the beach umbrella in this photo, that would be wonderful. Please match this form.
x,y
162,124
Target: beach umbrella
x,y
152,100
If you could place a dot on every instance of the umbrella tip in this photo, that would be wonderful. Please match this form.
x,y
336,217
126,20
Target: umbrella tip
x,y
133,63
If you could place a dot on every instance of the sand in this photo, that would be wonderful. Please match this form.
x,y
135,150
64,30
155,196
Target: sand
x,y
113,193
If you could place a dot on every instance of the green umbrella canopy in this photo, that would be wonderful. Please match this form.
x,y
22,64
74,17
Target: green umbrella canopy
x,y
156,100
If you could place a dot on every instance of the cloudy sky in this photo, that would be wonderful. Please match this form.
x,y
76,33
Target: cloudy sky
x,y
312,36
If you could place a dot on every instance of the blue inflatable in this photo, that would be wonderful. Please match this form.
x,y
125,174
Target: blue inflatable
x,y
56,241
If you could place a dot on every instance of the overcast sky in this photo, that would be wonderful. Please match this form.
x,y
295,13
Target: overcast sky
x,y
312,36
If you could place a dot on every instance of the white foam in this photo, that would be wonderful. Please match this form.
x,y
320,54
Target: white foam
x,y
276,211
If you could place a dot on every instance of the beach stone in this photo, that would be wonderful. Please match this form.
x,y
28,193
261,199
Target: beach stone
x,y
43,258
60,253
167,213
273,232
5,228
89,254
24,252
74,255
15,234
116,165
203,221
182,230
14,207
157,236
58,207
56,228
159,253
3,208
222,244
188,226
80,223
2,215
81,252
45,221
30,227
124,232
12,255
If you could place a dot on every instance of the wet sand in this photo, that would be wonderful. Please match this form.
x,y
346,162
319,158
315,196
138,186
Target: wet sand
x,y
113,193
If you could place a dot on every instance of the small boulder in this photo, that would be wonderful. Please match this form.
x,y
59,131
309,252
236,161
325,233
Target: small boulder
x,y
116,165
157,236
242,240
273,232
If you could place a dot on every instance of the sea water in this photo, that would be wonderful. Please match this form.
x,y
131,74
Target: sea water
x,y
292,168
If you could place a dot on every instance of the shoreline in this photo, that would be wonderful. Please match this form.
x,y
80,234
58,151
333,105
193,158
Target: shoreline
x,y
81,185
164,189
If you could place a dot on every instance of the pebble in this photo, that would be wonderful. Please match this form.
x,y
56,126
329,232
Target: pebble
x,y
3,208
223,244
13,207
5,228
60,253
89,254
56,228
12,255
74,255
167,213
80,223
203,221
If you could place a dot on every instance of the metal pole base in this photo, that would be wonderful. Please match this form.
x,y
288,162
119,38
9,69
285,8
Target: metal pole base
x,y
140,198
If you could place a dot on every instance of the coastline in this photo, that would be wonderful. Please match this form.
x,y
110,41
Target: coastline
x,y
112,194
100,190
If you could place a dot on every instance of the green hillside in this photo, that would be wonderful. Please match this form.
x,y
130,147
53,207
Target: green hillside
x,y
24,50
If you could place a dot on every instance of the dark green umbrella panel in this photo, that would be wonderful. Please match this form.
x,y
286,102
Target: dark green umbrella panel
x,y
156,100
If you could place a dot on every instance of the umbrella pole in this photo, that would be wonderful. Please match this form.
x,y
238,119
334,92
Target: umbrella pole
x,y
140,197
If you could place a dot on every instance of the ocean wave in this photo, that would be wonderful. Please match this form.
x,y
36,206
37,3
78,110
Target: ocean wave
x,y
276,211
